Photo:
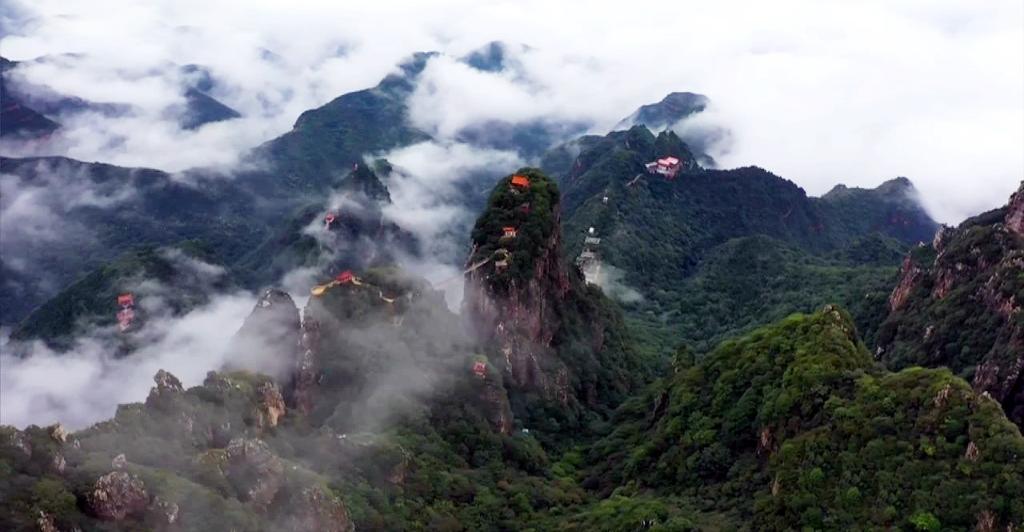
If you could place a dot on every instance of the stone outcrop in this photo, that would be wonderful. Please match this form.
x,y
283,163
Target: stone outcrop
x,y
58,464
164,512
119,461
316,510
19,440
166,393
254,470
167,383
306,373
116,496
271,405
1015,212
910,274
46,523
59,433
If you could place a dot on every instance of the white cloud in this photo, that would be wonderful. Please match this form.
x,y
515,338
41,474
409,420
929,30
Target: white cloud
x,y
818,92
33,211
85,385
611,281
431,190
452,95
433,197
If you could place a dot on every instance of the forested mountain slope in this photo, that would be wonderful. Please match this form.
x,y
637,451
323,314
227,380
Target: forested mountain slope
x,y
793,426
958,305
669,239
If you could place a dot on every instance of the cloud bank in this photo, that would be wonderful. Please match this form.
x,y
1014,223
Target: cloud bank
x,y
85,385
818,92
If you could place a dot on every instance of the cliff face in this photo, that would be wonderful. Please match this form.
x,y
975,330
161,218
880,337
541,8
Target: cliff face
x,y
379,334
1015,212
910,274
510,300
540,324
958,304
521,320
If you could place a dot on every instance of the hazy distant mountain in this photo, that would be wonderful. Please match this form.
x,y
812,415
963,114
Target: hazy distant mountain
x,y
34,110
669,111
17,119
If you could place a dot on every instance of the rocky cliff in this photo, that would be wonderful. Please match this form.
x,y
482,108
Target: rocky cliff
x,y
1015,212
554,339
958,304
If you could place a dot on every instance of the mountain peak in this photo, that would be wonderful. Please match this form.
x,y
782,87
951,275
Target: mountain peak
x,y
529,307
669,111
364,180
201,109
895,189
491,57
896,184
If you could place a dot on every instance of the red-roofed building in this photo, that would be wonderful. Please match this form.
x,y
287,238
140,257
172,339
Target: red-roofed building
x,y
508,232
667,166
125,300
345,277
520,181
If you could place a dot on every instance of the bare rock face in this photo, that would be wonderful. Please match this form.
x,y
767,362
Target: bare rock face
x,y
304,379
271,405
167,383
521,321
20,441
910,274
254,470
319,511
46,523
119,461
219,435
1015,213
117,495
941,237
975,276
58,464
59,433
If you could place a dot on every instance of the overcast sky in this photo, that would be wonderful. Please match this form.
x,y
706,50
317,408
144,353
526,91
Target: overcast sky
x,y
817,92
